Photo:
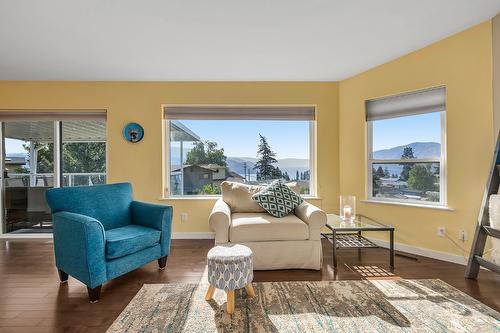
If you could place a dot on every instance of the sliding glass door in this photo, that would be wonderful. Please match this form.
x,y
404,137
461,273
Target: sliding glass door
x,y
38,155
28,172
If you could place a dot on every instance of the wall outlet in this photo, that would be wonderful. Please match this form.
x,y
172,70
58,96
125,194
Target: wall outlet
x,y
462,235
184,217
441,231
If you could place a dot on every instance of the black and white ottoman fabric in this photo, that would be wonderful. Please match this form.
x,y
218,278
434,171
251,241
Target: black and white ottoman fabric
x,y
230,266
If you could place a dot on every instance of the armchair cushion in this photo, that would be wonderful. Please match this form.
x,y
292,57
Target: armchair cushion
x,y
130,239
260,227
239,197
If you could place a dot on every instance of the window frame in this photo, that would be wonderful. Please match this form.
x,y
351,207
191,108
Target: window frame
x,y
443,200
166,194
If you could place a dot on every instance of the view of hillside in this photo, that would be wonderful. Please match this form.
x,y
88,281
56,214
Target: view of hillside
x,y
420,150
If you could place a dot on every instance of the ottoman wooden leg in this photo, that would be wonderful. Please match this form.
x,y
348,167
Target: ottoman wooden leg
x,y
210,293
230,302
250,291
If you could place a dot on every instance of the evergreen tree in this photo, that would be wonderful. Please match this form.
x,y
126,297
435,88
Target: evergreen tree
x,y
375,181
297,175
380,172
266,159
407,154
387,174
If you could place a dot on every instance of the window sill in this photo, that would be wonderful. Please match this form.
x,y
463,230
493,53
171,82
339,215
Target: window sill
x,y
215,197
405,204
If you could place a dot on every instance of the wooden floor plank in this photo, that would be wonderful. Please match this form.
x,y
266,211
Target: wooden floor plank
x,y
33,298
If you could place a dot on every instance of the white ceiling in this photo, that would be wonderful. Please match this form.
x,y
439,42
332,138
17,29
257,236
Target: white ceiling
x,y
300,40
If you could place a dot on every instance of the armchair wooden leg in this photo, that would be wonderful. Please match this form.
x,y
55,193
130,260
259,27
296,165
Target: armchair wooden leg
x,y
162,262
94,294
63,276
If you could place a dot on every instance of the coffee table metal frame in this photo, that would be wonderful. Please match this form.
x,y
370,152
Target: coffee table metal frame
x,y
350,236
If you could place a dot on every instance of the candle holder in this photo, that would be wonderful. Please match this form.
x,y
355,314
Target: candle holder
x,y
348,207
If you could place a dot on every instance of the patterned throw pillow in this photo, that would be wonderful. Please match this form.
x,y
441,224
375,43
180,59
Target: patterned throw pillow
x,y
277,199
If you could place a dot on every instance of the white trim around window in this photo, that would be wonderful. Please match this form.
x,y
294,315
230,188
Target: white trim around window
x,y
408,202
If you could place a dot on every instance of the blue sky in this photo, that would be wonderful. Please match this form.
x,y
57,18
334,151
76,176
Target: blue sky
x,y
401,131
289,139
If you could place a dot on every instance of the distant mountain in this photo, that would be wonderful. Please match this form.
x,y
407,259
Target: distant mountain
x,y
290,165
420,150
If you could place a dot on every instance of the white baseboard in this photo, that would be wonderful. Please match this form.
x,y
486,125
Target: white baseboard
x,y
193,235
422,251
26,236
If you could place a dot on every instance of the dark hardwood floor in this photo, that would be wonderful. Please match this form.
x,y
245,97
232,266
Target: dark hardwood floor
x,y
32,300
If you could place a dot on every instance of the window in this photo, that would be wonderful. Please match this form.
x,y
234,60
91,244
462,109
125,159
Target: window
x,y
406,148
251,145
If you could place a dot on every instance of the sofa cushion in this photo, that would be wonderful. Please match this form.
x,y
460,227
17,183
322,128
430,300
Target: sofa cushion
x,y
239,197
255,227
277,199
129,239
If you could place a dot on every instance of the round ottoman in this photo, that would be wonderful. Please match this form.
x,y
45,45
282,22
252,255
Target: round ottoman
x,y
230,267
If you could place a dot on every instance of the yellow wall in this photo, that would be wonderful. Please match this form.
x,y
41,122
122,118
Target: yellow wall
x,y
463,63
141,163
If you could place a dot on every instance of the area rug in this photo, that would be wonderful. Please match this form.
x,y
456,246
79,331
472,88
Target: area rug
x,y
337,306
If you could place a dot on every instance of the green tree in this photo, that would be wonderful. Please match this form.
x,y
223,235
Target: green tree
x,y
45,156
206,152
407,154
266,159
297,175
387,174
422,178
380,172
210,189
77,157
375,181
81,157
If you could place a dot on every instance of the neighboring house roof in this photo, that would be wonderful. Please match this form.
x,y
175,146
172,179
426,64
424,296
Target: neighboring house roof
x,y
15,160
232,174
211,167
202,166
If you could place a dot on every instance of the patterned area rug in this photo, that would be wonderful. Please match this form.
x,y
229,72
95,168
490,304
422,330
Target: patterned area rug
x,y
338,306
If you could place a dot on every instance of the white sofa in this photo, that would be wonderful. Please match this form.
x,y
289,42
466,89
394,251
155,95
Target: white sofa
x,y
291,242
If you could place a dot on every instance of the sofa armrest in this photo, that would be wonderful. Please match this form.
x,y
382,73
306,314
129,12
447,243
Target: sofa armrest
x,y
314,217
79,245
220,220
154,216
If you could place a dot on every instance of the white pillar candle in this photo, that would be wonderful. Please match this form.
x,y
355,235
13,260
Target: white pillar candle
x,y
347,212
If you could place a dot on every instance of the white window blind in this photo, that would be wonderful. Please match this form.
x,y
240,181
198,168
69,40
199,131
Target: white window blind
x,y
407,104
50,115
240,112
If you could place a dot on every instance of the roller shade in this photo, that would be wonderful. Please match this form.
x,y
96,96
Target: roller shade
x,y
407,104
240,112
59,115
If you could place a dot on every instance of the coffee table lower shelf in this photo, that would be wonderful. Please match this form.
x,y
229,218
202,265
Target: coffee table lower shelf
x,y
355,240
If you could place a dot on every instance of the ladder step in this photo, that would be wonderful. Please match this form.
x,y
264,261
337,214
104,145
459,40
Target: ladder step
x,y
492,231
487,264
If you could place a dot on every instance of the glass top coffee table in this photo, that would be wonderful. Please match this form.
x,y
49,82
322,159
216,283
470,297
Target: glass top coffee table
x,y
348,234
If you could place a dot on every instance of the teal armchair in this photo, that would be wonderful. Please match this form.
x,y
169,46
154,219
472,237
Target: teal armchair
x,y
100,233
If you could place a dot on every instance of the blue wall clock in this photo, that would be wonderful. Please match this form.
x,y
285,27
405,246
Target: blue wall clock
x,y
133,132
